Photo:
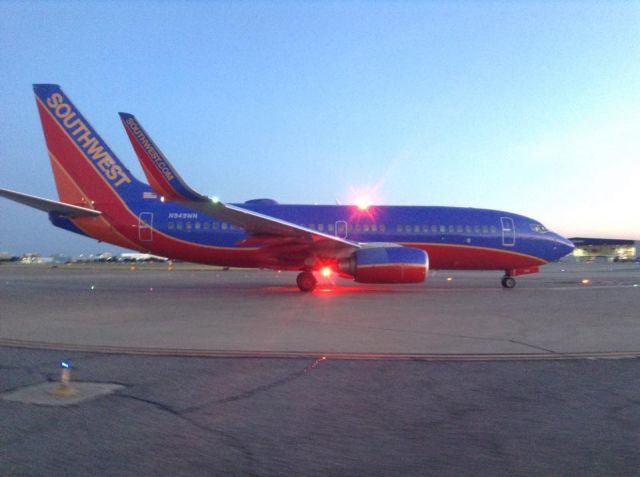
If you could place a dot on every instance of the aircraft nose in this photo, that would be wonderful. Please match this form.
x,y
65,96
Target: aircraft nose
x,y
563,246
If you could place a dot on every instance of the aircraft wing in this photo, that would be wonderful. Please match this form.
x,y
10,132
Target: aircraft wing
x,y
166,181
264,225
48,205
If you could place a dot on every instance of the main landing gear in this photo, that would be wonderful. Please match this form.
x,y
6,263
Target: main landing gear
x,y
508,281
306,281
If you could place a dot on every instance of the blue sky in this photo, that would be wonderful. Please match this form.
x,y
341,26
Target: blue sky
x,y
531,107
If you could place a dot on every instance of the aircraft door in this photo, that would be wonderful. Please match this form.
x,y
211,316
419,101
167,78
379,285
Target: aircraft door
x,y
341,229
145,226
508,232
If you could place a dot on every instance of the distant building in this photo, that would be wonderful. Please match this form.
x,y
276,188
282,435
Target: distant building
x,y
605,249
35,258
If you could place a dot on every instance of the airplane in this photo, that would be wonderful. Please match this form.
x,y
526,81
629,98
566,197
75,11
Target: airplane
x,y
100,198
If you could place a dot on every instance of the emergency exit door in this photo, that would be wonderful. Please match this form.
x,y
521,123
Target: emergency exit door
x,y
145,226
508,232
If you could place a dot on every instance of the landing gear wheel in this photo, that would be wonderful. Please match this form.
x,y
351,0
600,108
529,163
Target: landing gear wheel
x,y
306,281
508,282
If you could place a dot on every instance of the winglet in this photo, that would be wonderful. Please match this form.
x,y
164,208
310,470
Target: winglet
x,y
162,176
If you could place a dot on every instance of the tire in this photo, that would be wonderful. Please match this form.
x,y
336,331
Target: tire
x,y
306,281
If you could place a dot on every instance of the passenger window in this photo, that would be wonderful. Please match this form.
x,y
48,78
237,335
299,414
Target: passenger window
x,y
416,229
216,226
224,226
399,228
374,227
357,227
171,225
485,229
434,228
179,225
320,227
494,229
189,226
452,229
459,229
330,227
407,228
425,228
467,228
198,225
383,227
476,229
365,227
443,229
207,225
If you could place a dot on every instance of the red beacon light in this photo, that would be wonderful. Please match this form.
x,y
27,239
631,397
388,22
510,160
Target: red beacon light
x,y
325,272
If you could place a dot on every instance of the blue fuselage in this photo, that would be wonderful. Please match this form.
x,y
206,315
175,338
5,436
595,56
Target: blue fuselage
x,y
455,238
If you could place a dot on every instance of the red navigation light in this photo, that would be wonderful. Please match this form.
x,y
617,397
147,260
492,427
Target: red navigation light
x,y
326,272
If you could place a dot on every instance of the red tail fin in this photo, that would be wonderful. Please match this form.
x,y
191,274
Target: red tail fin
x,y
86,171
84,167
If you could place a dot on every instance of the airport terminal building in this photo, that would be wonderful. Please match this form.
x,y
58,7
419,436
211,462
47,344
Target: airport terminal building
x,y
609,249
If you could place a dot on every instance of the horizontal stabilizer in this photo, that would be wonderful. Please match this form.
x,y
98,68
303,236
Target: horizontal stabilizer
x,y
162,176
47,205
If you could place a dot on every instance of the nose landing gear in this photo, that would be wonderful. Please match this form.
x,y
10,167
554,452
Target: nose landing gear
x,y
508,281
306,281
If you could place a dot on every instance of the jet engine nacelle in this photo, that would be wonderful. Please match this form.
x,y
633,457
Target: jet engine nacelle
x,y
387,265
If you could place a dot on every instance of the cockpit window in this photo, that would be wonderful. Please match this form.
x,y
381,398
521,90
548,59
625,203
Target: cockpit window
x,y
539,228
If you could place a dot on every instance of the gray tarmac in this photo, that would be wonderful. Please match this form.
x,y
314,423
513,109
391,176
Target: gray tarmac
x,y
454,377
211,311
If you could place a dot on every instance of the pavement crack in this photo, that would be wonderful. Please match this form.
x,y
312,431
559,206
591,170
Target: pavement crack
x,y
159,405
477,338
266,387
258,389
539,348
231,440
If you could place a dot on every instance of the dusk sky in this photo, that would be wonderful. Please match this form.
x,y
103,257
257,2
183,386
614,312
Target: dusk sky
x,y
530,107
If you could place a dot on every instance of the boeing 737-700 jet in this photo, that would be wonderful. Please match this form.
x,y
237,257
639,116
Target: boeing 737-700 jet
x,y
99,198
